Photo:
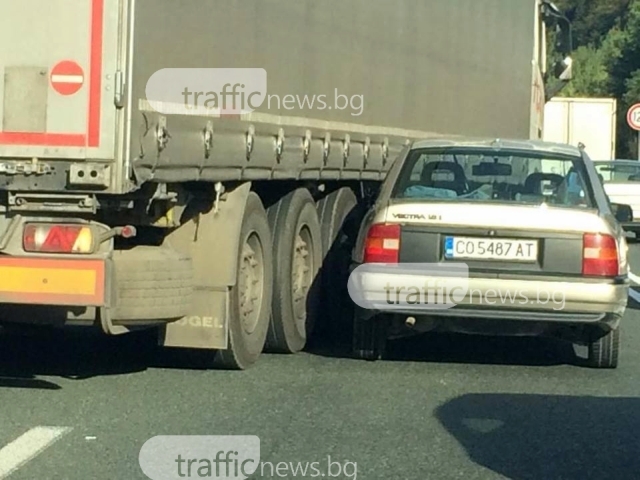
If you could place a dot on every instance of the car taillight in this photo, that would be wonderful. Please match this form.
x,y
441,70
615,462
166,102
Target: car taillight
x,y
600,255
382,244
52,238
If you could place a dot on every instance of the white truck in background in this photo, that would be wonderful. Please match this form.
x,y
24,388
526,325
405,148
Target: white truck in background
x,y
590,121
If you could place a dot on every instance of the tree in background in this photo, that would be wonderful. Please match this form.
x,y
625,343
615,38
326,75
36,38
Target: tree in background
x,y
592,19
607,57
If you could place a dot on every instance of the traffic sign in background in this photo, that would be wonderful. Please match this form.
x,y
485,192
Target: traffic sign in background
x,y
633,116
633,119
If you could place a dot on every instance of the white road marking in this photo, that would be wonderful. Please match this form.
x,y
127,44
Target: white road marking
x,y
27,446
635,295
632,293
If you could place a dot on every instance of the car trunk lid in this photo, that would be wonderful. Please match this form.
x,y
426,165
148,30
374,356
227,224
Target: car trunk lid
x,y
535,240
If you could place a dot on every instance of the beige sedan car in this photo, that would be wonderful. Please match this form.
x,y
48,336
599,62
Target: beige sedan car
x,y
491,237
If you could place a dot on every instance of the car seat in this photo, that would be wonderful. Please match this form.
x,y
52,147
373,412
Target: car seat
x,y
458,184
571,190
532,182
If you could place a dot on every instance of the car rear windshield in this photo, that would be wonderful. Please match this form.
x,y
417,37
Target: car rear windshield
x,y
612,172
490,176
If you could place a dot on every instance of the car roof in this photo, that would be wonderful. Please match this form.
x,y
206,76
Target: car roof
x,y
510,144
617,162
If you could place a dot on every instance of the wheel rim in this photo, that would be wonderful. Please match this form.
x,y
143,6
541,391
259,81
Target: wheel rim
x,y
301,275
251,282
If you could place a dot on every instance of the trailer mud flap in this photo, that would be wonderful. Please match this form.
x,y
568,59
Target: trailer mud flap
x,y
36,281
208,331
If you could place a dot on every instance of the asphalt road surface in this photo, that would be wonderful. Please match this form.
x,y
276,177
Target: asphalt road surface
x,y
443,407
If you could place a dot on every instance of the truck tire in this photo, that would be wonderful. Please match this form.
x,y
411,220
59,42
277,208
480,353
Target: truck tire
x,y
250,298
603,352
152,283
335,212
297,256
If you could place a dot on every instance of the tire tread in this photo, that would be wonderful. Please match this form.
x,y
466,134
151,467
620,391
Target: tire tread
x,y
604,352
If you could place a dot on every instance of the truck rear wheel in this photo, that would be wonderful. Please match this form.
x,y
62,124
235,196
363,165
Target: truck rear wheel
x,y
335,211
297,255
250,298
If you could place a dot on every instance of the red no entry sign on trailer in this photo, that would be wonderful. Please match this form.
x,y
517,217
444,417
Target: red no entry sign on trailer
x,y
67,77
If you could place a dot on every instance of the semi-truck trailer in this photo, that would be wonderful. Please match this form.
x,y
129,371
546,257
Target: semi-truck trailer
x,y
224,231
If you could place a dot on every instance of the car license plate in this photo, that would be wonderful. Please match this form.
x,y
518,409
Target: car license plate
x,y
491,249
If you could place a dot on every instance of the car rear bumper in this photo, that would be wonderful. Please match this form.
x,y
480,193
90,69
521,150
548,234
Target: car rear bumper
x,y
501,298
508,315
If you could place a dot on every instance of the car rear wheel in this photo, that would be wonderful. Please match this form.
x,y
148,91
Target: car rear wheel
x,y
369,337
603,352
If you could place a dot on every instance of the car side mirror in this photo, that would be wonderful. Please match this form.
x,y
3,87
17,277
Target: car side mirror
x,y
623,213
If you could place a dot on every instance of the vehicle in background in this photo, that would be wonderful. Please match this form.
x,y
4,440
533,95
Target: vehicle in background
x,y
213,229
587,121
543,252
621,179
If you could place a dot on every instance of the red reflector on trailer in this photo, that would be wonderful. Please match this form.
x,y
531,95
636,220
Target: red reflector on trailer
x,y
52,238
